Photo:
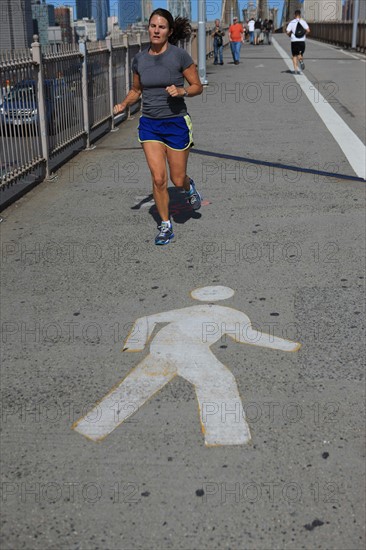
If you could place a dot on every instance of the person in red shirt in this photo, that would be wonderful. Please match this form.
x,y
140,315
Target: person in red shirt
x,y
236,37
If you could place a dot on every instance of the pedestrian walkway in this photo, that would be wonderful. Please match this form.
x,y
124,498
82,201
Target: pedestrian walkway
x,y
282,230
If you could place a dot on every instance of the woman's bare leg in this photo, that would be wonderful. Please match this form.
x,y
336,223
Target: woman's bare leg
x,y
156,156
177,161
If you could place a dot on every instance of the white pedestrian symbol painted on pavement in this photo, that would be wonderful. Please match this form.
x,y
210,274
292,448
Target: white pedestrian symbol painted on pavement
x,y
182,348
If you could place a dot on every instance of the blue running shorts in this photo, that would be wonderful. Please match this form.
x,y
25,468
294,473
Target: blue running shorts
x,y
175,133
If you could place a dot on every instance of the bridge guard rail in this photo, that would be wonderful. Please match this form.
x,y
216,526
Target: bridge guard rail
x,y
339,33
54,98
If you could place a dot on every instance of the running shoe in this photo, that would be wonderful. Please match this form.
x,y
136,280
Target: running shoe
x,y
194,198
165,234
302,64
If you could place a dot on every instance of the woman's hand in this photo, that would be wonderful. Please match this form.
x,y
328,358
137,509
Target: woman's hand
x,y
119,108
173,91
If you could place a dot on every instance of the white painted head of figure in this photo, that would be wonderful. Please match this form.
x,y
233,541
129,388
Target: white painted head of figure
x,y
212,293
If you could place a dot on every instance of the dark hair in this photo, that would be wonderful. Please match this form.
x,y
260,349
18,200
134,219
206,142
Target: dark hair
x,y
298,12
180,25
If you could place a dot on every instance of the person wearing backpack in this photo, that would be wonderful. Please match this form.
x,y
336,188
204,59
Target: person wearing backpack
x,y
297,30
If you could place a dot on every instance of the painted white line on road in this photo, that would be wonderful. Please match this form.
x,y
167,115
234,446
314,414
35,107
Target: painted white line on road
x,y
182,348
333,48
351,55
351,145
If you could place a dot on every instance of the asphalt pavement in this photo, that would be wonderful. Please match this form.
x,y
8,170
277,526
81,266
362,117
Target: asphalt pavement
x,y
282,224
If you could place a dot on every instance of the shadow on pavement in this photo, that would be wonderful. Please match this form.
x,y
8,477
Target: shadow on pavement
x,y
180,210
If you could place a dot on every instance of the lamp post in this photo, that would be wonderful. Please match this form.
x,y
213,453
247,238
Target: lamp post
x,y
356,11
202,41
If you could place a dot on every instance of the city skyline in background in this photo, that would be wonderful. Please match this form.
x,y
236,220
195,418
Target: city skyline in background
x,y
213,7
66,21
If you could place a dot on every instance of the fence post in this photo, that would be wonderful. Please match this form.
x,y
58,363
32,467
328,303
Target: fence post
x,y
108,40
84,81
188,45
127,67
356,12
42,112
202,41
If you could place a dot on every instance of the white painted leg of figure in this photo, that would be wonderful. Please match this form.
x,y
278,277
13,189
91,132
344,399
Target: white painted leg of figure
x,y
221,411
125,399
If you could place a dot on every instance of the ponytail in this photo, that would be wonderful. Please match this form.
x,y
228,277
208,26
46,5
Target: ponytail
x,y
182,30
180,26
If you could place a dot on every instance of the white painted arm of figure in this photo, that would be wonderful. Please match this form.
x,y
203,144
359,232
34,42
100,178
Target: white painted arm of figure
x,y
143,328
265,340
139,335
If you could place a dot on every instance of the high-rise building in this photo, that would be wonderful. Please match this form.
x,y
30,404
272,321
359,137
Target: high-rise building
x,y
55,35
84,9
129,13
16,24
85,28
43,17
180,8
63,20
113,27
100,14
97,10
147,9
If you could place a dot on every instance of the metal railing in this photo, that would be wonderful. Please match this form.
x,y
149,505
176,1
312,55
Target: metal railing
x,y
55,99
18,116
339,33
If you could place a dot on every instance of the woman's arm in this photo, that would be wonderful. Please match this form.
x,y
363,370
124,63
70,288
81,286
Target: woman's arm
x,y
195,87
132,97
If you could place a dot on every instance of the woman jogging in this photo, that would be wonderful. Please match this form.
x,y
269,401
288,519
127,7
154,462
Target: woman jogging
x,y
165,128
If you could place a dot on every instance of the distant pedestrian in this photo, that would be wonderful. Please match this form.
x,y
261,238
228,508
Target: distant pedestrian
x,y
269,31
251,24
218,44
266,30
297,29
246,31
165,128
236,38
257,31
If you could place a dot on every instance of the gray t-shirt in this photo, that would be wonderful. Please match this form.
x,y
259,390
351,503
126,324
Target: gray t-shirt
x,y
156,72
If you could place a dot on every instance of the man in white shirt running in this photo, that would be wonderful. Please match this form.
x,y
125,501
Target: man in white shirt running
x,y
297,29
